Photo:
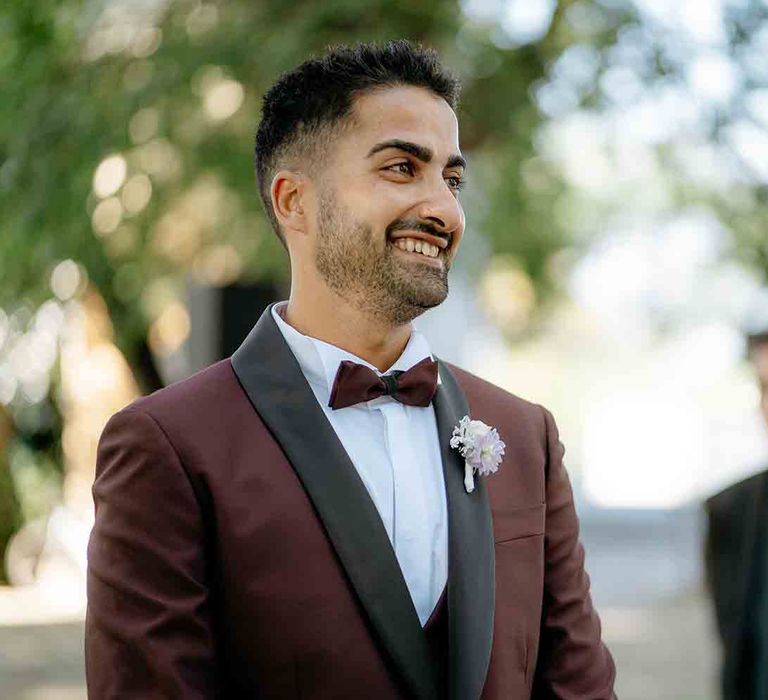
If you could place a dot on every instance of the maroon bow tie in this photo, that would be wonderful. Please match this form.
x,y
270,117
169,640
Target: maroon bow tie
x,y
356,383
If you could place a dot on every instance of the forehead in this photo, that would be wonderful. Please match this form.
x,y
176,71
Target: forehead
x,y
407,113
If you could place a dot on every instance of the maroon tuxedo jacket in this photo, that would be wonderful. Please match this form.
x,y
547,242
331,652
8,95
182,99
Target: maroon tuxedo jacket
x,y
237,554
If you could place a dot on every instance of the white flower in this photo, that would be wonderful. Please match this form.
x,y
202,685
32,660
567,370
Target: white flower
x,y
481,447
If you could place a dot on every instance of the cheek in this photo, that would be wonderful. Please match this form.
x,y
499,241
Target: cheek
x,y
459,233
376,206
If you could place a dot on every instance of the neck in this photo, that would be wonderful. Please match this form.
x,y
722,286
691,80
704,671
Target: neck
x,y
328,317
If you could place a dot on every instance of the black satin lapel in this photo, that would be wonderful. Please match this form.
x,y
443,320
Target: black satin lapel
x,y
275,385
471,567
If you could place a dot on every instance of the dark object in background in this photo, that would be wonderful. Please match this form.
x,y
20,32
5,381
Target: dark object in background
x,y
220,318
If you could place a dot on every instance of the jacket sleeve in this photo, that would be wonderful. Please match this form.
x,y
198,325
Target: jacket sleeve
x,y
148,626
573,663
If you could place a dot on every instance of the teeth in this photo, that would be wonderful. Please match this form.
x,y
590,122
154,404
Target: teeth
x,y
418,246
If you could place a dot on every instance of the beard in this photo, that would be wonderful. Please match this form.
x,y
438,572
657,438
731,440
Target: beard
x,y
368,273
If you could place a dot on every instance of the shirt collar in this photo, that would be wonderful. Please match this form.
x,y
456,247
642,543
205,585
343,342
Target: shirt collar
x,y
319,361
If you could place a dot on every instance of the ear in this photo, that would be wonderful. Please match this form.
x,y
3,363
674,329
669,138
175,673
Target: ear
x,y
287,192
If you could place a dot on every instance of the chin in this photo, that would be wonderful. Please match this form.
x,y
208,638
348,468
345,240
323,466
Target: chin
x,y
414,305
432,300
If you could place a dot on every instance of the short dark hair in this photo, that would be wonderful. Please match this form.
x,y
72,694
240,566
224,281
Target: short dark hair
x,y
301,110
756,339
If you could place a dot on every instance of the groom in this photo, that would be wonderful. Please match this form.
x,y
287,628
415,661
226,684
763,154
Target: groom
x,y
293,522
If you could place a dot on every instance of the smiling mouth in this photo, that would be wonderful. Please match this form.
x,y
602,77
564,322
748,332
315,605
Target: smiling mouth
x,y
417,247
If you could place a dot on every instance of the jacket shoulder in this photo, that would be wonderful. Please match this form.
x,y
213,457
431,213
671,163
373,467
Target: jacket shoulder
x,y
482,392
201,393
732,498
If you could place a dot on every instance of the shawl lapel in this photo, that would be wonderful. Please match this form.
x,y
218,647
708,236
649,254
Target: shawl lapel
x,y
471,567
277,389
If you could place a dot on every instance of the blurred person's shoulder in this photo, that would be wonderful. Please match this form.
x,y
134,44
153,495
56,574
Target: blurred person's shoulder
x,y
732,499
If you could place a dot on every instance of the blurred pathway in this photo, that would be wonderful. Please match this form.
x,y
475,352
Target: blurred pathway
x,y
42,662
646,571
663,651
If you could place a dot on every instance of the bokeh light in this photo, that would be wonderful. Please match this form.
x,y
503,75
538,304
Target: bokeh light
x,y
67,277
143,125
222,99
136,193
109,176
107,216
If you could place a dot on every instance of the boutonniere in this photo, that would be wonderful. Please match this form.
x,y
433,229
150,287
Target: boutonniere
x,y
480,446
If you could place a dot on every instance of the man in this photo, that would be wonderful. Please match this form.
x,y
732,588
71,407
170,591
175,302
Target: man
x,y
287,523
737,566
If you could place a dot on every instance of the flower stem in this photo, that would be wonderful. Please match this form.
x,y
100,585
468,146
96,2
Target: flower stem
x,y
469,482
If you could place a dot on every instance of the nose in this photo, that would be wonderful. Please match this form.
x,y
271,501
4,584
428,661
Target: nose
x,y
443,210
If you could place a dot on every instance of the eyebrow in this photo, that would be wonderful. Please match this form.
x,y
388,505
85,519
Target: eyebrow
x,y
423,153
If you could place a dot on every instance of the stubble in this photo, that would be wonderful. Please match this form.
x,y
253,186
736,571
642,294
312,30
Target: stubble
x,y
367,272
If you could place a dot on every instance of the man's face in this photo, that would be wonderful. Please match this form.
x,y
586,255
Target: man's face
x,y
389,186
759,356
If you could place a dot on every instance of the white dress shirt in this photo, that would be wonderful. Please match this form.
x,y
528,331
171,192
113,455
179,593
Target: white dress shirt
x,y
396,452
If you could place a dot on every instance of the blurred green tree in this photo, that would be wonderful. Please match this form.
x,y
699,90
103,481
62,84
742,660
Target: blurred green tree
x,y
125,134
125,130
10,512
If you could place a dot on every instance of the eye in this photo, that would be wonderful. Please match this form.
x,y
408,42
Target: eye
x,y
455,182
405,167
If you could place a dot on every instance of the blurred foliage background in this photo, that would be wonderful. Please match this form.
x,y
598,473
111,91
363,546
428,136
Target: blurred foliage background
x,y
125,170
